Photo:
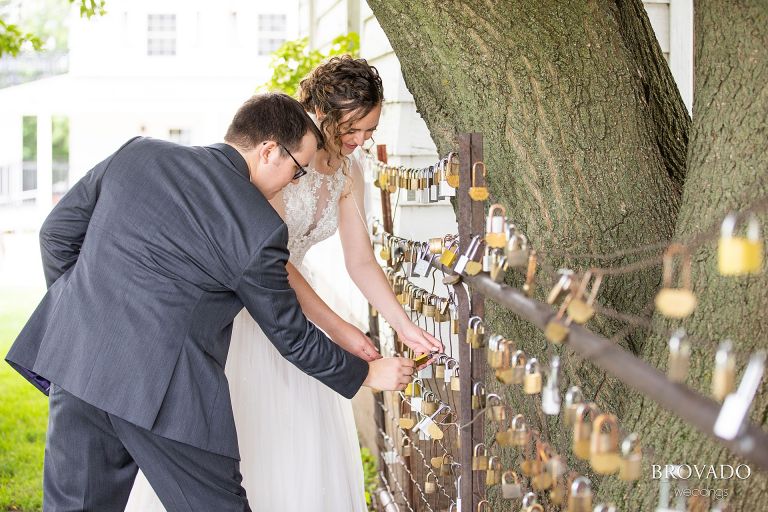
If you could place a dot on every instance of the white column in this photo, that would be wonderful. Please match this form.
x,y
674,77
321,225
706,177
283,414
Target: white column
x,y
44,199
681,48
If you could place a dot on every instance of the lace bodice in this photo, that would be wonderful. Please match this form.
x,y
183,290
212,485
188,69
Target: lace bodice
x,y
312,208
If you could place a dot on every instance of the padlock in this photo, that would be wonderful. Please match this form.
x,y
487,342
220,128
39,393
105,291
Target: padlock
x,y
515,372
468,256
739,255
580,498
516,248
735,410
573,399
556,331
405,448
436,246
440,367
493,475
511,490
529,500
392,181
452,170
550,395
580,309
555,467
442,314
416,402
483,506
429,404
494,353
630,467
454,319
724,376
499,269
480,457
497,411
437,462
531,467
541,481
405,422
433,186
478,396
488,258
455,381
582,430
413,388
418,300
562,286
504,434
496,227
429,307
446,467
476,332
448,257
530,274
478,193
430,486
521,434
679,356
604,447
676,302
532,379
450,369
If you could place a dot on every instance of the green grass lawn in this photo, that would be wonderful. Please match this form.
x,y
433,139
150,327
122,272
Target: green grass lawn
x,y
23,413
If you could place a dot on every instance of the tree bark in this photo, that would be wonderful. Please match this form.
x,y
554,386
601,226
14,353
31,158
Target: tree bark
x,y
585,141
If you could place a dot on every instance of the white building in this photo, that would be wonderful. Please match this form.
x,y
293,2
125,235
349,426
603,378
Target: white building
x,y
171,69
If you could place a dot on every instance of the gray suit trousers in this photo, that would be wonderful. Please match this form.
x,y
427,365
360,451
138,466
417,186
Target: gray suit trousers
x,y
92,457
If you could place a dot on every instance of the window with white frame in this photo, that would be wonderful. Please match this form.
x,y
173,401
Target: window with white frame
x,y
161,34
272,32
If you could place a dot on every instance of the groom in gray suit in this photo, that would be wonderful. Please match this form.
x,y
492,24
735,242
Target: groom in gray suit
x,y
148,259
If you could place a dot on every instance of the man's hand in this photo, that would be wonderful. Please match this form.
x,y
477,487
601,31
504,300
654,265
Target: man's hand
x,y
354,341
389,374
419,340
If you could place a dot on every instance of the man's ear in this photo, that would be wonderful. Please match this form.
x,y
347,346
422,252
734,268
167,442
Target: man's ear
x,y
265,150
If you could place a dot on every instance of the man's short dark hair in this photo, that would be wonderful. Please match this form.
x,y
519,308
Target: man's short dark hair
x,y
271,116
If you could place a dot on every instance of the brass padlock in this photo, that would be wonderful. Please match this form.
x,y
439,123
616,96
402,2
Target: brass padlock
x,y
436,246
405,422
392,181
573,399
582,430
452,170
521,434
676,302
454,319
483,505
480,457
446,466
478,396
495,229
498,269
429,405
604,450
466,257
493,475
440,367
413,388
739,255
532,383
514,373
495,351
724,376
630,468
442,314
405,447
449,256
429,308
418,300
455,386
510,485
430,486
516,247
497,411
679,356
580,498
580,310
504,435
478,193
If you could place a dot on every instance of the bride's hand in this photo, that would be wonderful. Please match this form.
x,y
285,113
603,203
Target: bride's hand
x,y
354,341
418,339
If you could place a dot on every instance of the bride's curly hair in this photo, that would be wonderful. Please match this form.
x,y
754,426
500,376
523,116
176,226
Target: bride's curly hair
x,y
337,87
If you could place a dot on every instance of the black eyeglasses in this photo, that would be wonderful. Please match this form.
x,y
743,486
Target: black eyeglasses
x,y
302,171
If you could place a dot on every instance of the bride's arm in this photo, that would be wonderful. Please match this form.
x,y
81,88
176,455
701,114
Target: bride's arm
x,y
367,274
344,334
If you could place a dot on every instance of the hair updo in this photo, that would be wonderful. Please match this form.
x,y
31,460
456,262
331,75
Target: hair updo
x,y
338,87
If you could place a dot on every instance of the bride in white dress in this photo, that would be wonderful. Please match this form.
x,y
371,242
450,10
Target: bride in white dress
x,y
298,440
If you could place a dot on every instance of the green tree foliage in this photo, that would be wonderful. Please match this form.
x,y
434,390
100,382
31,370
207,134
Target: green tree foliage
x,y
295,59
13,39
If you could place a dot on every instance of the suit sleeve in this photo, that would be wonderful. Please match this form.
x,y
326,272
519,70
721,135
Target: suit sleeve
x,y
264,290
63,231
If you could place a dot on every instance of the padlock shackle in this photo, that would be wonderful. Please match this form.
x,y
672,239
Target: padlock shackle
x,y
678,343
532,366
516,356
474,172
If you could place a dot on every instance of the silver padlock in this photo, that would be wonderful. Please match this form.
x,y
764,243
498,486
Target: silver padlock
x,y
465,258
433,190
422,268
736,406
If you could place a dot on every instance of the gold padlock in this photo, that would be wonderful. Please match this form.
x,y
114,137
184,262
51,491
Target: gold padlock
x,y
679,356
446,467
493,475
475,192
405,447
454,320
521,434
455,386
580,310
504,435
497,411
413,388
452,170
483,505
430,307
440,367
630,468
429,405
676,302
495,229
478,396
573,399
480,457
516,247
405,422
739,255
495,351
532,382
724,376
580,498
448,257
476,332
582,430
558,493
436,246
604,448
430,486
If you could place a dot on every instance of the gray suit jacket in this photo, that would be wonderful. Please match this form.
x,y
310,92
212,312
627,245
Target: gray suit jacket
x,y
148,259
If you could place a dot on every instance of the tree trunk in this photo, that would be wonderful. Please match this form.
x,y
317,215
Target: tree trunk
x,y
585,142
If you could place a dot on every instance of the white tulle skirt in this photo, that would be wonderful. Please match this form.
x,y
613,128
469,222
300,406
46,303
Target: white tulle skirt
x,y
298,441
